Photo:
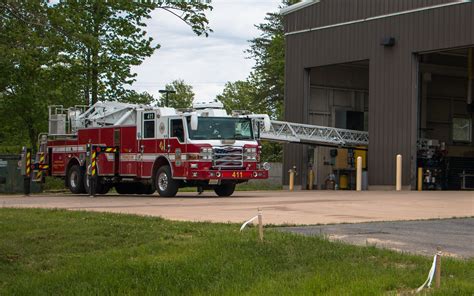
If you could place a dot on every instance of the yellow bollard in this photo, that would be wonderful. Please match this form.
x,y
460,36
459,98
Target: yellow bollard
x,y
398,183
420,179
292,178
359,174
310,179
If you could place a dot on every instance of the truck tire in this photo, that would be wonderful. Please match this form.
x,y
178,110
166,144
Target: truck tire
x,y
103,189
225,189
100,188
164,182
75,179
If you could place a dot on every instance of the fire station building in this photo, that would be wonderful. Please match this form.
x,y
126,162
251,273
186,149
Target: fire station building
x,y
401,70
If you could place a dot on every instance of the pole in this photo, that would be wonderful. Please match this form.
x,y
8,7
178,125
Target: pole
x,y
470,76
92,177
420,179
310,179
292,178
398,184
359,174
260,224
438,269
166,92
39,174
27,176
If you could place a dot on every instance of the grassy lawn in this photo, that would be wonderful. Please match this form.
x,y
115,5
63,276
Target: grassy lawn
x,y
55,252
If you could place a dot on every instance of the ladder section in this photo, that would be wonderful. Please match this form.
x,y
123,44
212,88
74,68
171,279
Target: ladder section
x,y
281,131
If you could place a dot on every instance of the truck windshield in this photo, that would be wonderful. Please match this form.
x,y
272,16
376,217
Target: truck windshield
x,y
221,128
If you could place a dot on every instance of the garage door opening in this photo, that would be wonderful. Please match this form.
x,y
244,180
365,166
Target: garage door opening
x,y
445,136
338,97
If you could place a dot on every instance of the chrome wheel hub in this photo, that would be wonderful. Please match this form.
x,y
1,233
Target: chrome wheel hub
x,y
163,181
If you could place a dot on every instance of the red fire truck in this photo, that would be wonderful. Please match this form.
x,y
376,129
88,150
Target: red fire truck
x,y
141,149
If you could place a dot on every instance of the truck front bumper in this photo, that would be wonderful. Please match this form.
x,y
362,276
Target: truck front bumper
x,y
227,174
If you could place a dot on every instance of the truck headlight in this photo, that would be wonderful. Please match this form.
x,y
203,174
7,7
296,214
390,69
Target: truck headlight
x,y
250,150
250,157
266,166
206,153
250,154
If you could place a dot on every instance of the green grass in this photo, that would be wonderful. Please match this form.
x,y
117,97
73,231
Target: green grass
x,y
54,184
55,252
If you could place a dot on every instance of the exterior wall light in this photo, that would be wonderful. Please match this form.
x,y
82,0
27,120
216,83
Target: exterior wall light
x,y
388,41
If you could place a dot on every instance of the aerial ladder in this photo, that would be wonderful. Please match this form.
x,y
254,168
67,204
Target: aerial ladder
x,y
114,113
289,132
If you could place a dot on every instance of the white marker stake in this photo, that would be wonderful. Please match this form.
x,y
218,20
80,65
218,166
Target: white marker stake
x,y
430,275
260,225
247,222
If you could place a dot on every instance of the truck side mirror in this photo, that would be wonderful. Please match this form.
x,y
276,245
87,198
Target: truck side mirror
x,y
194,122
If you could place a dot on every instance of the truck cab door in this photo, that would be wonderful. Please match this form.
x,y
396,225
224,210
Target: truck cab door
x,y
177,146
146,142
162,136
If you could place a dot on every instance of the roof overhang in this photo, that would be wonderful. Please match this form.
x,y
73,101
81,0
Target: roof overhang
x,y
297,6
457,2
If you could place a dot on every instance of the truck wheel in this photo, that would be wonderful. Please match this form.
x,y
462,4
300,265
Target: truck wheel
x,y
103,189
225,189
75,179
164,182
100,187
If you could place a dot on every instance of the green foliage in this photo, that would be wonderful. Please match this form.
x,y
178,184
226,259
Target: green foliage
x,y
263,90
55,252
268,51
103,40
271,152
134,97
183,98
54,184
240,95
74,52
31,71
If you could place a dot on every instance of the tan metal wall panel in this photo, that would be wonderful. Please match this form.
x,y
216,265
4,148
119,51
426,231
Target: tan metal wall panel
x,y
393,71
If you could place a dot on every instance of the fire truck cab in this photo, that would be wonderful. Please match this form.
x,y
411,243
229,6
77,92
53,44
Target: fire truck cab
x,y
140,149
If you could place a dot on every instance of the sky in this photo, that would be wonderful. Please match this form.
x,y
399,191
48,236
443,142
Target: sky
x,y
205,63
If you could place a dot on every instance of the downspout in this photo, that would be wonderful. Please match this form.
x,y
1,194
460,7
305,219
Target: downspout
x,y
469,79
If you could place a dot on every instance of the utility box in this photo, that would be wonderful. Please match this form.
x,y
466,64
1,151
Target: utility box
x,y
11,180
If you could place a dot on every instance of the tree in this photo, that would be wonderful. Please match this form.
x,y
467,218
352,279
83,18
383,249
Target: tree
x,y
183,98
74,52
268,51
239,95
106,38
263,90
32,75
134,97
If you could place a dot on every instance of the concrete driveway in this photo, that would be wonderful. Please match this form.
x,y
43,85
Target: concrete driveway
x,y
279,207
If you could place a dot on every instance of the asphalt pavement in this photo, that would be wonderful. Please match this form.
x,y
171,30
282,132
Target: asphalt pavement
x,y
455,237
